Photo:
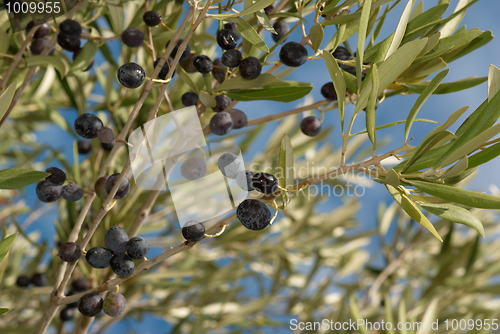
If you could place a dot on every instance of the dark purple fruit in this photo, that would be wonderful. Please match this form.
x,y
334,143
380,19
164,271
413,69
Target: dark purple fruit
x,y
105,135
185,53
66,314
282,28
81,284
42,31
189,99
244,180
38,45
56,177
70,252
328,91
265,183
131,75
123,189
193,231
98,257
70,28
239,118
132,37
164,70
193,168
122,265
116,239
40,279
203,64
232,58
100,187
250,68
223,101
84,147
151,18
219,71
72,192
293,54
226,39
221,123
68,43
48,192
90,304
23,281
87,125
137,248
253,214
311,126
114,304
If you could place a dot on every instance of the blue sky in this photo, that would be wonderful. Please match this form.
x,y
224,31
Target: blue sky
x,y
483,15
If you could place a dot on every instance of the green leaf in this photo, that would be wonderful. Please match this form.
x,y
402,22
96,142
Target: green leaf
x,y
388,125
239,83
419,9
483,39
448,87
363,26
457,195
249,33
450,43
60,64
186,78
256,7
431,87
426,18
455,214
264,20
400,30
356,314
117,15
286,160
392,67
3,310
370,108
338,83
493,81
15,178
6,98
412,210
283,91
316,35
457,169
392,178
468,147
484,156
453,24
483,118
85,57
432,137
207,100
5,245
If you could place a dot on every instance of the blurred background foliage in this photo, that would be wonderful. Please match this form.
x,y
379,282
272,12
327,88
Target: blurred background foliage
x,y
318,261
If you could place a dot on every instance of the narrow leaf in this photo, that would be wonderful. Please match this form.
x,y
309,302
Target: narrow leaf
x,y
207,100
392,67
400,30
452,25
240,83
493,81
85,57
392,178
271,92
457,169
457,195
3,310
286,161
316,35
60,64
421,100
338,82
264,20
117,15
185,77
15,178
249,33
6,98
455,214
5,245
412,210
484,156
448,87
388,125
370,108
363,26
257,6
